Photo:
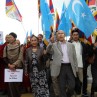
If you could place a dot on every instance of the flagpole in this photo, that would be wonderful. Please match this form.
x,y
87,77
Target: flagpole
x,y
38,23
23,27
62,17
96,4
38,2
55,20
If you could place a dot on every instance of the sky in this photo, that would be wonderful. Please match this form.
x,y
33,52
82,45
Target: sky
x,y
30,21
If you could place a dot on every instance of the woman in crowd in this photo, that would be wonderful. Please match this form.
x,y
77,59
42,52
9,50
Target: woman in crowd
x,y
13,57
36,69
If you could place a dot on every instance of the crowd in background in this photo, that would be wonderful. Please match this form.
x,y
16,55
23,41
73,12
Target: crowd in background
x,y
50,68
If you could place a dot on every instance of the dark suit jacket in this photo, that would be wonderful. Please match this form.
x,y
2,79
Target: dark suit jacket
x,y
87,51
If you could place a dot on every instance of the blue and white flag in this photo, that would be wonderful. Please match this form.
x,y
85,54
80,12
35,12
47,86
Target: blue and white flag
x,y
47,18
82,17
65,23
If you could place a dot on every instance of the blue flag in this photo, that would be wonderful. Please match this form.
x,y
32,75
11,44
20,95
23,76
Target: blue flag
x,y
25,41
46,33
80,13
47,18
1,42
65,23
31,33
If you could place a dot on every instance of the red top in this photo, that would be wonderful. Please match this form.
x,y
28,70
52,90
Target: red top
x,y
1,49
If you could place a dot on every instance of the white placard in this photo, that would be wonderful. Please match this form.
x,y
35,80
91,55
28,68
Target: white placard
x,y
13,76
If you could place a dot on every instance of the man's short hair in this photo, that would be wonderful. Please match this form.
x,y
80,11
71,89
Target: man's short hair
x,y
40,35
75,30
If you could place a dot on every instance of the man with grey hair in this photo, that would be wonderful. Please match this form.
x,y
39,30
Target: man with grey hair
x,y
64,65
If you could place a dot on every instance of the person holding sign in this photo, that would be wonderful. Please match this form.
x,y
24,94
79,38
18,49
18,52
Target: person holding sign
x,y
13,57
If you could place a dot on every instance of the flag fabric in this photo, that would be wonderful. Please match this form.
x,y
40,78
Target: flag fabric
x,y
92,6
65,23
82,16
46,33
95,15
87,1
31,33
46,42
47,18
39,12
90,39
1,37
25,41
51,6
12,10
91,2
95,32
96,39
1,42
57,19
81,34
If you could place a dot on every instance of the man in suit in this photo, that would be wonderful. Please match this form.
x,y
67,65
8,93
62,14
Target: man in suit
x,y
64,65
85,57
81,49
42,43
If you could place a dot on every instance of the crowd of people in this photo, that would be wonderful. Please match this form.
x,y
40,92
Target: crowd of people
x,y
49,68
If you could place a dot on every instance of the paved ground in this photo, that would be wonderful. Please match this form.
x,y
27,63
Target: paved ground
x,y
30,95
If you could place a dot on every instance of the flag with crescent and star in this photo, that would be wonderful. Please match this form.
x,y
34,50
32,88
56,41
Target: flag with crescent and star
x,y
82,17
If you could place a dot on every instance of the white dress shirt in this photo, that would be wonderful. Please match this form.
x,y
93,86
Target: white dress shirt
x,y
65,58
78,49
41,44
